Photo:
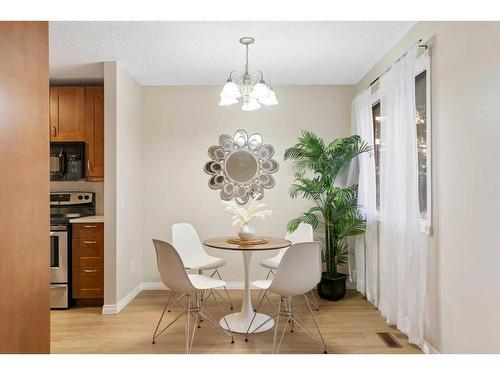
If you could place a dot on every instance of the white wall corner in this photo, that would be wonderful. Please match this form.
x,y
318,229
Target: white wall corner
x,y
115,309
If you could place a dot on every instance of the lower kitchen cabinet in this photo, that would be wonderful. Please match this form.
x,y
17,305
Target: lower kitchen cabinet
x,y
88,261
88,282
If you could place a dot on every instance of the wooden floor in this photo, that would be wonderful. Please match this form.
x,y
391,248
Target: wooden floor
x,y
348,326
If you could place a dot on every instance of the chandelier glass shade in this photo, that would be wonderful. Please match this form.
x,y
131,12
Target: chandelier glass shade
x,y
254,90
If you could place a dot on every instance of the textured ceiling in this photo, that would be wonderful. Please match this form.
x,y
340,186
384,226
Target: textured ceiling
x,y
203,53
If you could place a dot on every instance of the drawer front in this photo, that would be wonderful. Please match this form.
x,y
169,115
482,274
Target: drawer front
x,y
88,252
88,282
86,230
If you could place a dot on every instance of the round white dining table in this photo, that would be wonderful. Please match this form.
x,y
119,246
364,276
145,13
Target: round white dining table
x,y
239,322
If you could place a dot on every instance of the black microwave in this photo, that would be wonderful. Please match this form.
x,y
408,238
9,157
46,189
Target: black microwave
x,y
67,161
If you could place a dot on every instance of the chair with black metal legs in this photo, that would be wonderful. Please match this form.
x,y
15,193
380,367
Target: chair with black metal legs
x,y
174,276
299,271
193,255
304,233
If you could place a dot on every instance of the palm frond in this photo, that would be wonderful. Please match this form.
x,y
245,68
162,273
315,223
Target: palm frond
x,y
342,151
307,154
352,224
306,188
306,217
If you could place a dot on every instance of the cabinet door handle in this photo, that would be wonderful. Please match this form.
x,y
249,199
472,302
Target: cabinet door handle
x,y
90,226
90,271
89,165
89,242
54,131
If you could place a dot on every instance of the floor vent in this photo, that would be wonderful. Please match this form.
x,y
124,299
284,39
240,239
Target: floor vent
x,y
389,340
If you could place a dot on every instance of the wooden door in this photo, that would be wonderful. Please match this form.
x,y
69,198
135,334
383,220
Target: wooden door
x,y
94,133
24,188
67,113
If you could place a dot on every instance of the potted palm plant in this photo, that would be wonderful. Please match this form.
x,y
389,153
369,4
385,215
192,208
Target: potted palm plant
x,y
317,166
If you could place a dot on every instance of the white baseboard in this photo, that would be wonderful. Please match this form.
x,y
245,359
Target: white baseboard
x,y
153,286
428,348
115,309
231,285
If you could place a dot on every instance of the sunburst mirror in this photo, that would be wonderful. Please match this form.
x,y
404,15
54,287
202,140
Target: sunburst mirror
x,y
241,166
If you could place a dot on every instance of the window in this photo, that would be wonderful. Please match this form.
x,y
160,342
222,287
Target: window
x,y
376,120
423,124
420,119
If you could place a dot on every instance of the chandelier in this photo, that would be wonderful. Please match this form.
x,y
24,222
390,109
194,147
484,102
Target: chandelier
x,y
254,90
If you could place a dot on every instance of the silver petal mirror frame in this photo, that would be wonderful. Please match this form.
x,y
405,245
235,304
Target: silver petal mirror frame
x,y
241,166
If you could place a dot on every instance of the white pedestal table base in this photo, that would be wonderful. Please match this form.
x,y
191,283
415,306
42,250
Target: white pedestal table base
x,y
239,322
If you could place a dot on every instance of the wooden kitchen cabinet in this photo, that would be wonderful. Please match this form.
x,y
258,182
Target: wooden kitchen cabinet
x,y
94,133
77,114
67,113
88,283
88,261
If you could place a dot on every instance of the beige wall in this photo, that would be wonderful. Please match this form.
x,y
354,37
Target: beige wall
x,y
463,292
129,183
110,164
124,183
180,123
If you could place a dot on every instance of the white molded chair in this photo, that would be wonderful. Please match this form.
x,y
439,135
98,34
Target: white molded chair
x,y
304,233
187,242
298,273
174,276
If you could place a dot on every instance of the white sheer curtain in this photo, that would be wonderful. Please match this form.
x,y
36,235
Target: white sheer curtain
x,y
402,247
363,173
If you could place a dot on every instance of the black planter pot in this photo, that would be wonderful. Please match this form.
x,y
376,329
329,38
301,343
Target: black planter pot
x,y
332,288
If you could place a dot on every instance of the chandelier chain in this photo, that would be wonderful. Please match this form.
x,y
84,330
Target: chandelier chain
x,y
246,61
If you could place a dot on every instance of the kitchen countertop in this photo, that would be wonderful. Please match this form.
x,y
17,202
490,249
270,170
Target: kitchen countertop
x,y
88,219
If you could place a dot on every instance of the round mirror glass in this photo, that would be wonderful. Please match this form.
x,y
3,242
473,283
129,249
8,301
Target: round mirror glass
x,y
241,166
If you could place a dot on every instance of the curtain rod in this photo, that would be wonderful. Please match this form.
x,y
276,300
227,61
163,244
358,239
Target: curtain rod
x,y
385,71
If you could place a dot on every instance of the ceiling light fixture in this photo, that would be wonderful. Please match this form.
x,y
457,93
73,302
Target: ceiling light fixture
x,y
255,90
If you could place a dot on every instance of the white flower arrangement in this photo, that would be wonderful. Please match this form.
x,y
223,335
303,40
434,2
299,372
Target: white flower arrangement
x,y
242,216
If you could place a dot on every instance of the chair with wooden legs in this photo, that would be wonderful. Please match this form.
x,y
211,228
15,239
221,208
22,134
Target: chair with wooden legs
x,y
298,272
174,276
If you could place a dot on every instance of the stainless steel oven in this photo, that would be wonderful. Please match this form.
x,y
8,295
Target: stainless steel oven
x,y
59,275
64,205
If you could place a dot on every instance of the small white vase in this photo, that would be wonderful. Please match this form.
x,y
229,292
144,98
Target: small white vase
x,y
246,232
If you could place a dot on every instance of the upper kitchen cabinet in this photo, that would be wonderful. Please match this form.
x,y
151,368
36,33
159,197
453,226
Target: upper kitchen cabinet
x,y
67,113
94,133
